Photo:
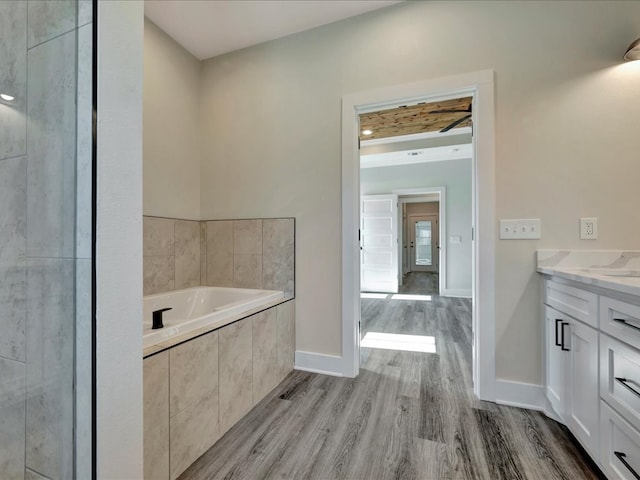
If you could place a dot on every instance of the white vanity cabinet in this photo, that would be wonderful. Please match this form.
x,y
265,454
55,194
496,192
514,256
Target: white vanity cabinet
x,y
572,375
592,367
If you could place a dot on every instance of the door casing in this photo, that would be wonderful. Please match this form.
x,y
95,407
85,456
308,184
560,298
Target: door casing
x,y
481,86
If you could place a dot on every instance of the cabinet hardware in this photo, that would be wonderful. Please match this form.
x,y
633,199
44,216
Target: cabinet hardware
x,y
621,456
558,320
562,336
624,321
627,383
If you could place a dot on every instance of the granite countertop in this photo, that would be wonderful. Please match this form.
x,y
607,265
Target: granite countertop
x,y
611,269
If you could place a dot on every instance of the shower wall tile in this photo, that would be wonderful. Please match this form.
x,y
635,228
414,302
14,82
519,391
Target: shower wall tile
x,y
278,251
159,274
159,236
49,370
31,475
265,355
236,372
13,78
187,253
12,419
51,141
286,337
13,310
49,19
85,12
247,237
84,142
83,331
220,253
13,208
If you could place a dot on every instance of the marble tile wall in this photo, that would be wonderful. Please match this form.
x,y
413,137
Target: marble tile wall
x,y
257,253
171,250
45,249
251,254
196,391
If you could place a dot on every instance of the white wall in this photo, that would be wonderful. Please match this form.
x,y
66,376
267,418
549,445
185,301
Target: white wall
x,y
566,134
170,131
119,240
455,175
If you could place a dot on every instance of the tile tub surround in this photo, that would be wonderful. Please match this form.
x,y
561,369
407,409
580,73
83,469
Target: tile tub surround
x,y
253,253
195,391
570,264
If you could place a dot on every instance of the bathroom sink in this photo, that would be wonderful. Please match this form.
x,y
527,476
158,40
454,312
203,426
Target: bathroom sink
x,y
612,272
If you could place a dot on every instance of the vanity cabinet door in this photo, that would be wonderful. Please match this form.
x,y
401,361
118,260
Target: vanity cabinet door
x,y
582,402
555,361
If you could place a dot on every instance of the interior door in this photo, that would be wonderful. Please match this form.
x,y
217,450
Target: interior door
x,y
379,243
423,243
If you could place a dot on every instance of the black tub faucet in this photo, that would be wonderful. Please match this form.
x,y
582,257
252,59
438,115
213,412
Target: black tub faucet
x,y
157,318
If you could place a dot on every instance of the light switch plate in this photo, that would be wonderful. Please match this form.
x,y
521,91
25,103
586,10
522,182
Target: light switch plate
x,y
520,229
455,239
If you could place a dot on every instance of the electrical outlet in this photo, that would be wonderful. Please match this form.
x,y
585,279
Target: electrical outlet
x,y
528,229
588,228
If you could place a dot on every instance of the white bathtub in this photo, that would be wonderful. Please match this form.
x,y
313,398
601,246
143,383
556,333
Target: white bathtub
x,y
197,307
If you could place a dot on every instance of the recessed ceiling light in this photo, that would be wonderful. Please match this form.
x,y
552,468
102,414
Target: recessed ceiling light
x,y
6,97
367,132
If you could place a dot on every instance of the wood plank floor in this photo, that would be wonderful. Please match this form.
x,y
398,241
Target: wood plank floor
x,y
408,415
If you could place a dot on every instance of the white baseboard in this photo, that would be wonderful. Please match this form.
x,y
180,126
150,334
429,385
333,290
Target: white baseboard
x,y
522,395
319,363
456,292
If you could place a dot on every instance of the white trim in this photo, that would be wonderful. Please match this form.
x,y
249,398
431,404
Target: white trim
x,y
442,230
319,363
415,136
460,151
521,395
481,85
457,292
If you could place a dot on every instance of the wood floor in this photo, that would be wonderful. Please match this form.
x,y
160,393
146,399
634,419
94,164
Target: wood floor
x,y
408,415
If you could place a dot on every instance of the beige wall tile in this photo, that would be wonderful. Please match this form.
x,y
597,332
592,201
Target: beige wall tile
x,y
158,236
247,237
203,253
278,263
236,372
193,431
194,372
265,355
12,418
187,254
156,416
286,337
247,271
220,253
158,274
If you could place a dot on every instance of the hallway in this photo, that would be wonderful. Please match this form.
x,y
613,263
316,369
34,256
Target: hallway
x,y
408,415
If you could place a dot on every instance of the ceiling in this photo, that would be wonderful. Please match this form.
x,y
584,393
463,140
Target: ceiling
x,y
207,28
415,119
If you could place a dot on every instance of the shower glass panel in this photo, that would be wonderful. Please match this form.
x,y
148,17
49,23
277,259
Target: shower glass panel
x,y
46,107
423,243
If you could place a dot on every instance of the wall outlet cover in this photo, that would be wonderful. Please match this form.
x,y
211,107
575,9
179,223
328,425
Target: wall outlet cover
x,y
588,228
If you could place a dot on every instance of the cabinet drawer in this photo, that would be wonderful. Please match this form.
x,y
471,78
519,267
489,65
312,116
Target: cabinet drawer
x,y
619,445
620,320
573,301
620,378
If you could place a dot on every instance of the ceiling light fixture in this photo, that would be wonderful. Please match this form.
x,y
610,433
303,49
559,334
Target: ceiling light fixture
x,y
633,52
6,97
367,132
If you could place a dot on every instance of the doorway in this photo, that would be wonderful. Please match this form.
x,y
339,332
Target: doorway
x,y
423,246
481,86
